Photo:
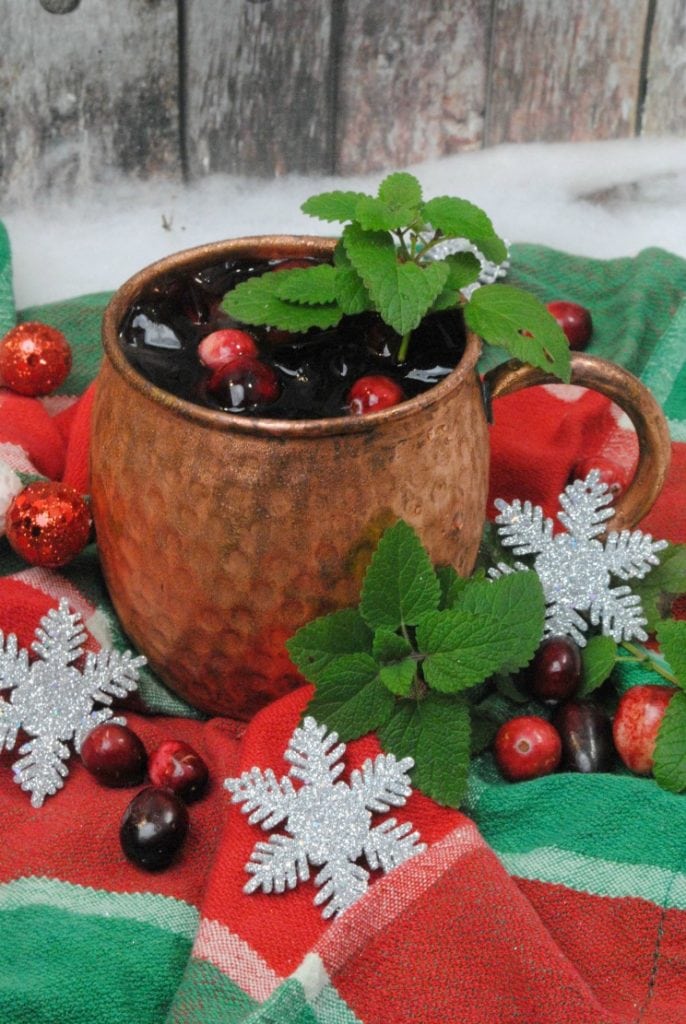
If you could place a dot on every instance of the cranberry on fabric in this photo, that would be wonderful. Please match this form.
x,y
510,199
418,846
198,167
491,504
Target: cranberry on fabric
x,y
115,755
177,766
575,321
555,672
34,359
526,748
636,724
48,523
153,828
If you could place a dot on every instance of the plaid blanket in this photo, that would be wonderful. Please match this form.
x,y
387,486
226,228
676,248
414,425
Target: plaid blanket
x,y
556,901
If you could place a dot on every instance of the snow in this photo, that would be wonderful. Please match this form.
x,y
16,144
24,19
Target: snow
x,y
602,199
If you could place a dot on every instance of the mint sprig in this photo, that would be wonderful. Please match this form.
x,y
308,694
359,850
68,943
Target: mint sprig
x,y
404,662
385,262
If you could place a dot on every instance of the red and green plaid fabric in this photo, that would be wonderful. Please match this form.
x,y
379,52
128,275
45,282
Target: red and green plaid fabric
x,y
558,901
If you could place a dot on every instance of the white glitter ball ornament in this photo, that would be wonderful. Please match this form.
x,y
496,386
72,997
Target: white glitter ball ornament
x,y
329,822
576,569
53,702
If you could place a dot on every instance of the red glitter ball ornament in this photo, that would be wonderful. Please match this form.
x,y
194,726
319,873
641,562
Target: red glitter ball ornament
x,y
48,523
34,359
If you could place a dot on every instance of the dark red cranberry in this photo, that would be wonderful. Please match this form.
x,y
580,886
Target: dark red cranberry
x,y
153,828
373,393
220,347
636,724
245,383
575,321
555,672
526,748
175,765
586,734
114,755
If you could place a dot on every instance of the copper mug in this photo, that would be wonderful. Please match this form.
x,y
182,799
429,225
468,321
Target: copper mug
x,y
220,535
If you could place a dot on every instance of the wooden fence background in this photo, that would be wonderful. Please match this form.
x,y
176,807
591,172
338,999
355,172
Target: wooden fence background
x,y
183,88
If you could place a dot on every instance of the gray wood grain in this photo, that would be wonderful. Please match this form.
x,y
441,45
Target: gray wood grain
x,y
258,86
85,94
664,111
411,81
565,71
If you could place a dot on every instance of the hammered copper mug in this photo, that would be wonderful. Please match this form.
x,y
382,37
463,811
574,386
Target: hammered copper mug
x,y
221,535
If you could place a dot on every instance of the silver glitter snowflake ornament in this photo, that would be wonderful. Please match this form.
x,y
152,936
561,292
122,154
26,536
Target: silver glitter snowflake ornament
x,y
576,569
328,822
53,702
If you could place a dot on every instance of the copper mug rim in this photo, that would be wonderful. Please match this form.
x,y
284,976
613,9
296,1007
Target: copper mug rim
x,y
278,246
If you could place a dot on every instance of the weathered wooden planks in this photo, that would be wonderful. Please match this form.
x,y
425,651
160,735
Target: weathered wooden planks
x,y
259,96
85,94
565,71
664,111
411,81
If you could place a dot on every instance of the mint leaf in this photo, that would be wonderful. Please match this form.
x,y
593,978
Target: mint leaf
x,y
459,218
374,215
398,669
255,302
350,292
669,758
350,698
436,733
459,649
463,269
671,635
402,293
333,206
324,639
401,190
400,584
516,321
598,659
662,584
452,585
515,607
310,286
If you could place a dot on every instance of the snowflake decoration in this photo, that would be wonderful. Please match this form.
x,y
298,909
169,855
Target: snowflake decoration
x,y
490,272
329,822
53,702
575,568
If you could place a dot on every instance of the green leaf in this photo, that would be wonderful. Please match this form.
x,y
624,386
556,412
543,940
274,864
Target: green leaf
x,y
255,302
308,286
598,658
463,269
459,649
436,733
671,635
398,669
350,292
458,218
350,697
519,323
374,215
400,584
662,584
452,585
669,758
401,190
333,206
402,293
483,730
515,607
324,639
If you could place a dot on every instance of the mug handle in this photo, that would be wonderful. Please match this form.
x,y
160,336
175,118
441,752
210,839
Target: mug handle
x,y
629,394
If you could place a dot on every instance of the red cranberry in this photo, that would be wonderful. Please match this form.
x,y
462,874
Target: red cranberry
x,y
586,734
526,748
114,755
555,672
153,828
636,724
575,321
245,383
373,393
175,765
221,347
